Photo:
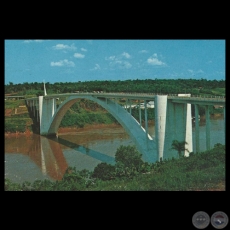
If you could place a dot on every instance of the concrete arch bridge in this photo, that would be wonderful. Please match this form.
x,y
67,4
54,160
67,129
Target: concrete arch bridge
x,y
172,118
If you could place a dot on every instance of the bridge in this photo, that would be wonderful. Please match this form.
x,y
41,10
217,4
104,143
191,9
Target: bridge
x,y
173,119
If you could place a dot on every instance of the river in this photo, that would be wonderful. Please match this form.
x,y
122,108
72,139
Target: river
x,y
28,158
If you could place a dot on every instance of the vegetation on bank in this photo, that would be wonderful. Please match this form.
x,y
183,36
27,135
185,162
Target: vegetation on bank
x,y
200,171
164,86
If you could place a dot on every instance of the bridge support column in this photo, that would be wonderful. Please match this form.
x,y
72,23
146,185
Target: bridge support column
x,y
130,107
207,117
197,132
172,122
224,119
37,110
140,113
146,119
116,100
188,134
47,109
54,107
160,122
34,109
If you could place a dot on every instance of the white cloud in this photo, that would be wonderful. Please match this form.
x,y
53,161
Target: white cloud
x,y
126,55
143,51
153,60
64,47
78,55
200,71
97,67
111,58
127,65
82,49
195,72
64,62
119,62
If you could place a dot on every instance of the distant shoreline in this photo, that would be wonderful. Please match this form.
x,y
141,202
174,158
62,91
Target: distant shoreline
x,y
89,127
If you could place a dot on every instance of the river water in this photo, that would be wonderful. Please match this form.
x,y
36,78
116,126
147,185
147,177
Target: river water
x,y
28,158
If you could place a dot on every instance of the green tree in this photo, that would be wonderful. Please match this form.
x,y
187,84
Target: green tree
x,y
129,156
179,146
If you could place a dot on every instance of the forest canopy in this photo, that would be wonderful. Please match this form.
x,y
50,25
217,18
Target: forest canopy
x,y
162,86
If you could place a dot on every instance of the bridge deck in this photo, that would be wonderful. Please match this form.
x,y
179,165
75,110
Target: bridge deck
x,y
214,100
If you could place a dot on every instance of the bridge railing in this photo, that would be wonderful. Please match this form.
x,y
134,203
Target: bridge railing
x,y
197,97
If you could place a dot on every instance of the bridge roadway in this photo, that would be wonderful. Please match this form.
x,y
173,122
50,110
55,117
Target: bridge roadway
x,y
172,118
193,99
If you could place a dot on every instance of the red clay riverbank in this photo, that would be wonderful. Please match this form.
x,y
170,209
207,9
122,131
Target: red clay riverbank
x,y
67,129
87,128
73,129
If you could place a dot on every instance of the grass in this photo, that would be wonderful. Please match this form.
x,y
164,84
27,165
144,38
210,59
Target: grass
x,y
187,174
11,104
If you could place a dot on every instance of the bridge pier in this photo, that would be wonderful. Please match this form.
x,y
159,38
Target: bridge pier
x,y
160,122
34,108
140,121
224,119
197,131
146,119
36,111
130,107
207,118
188,134
172,122
47,108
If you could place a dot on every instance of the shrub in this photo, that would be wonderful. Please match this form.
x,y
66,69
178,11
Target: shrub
x,y
129,156
104,171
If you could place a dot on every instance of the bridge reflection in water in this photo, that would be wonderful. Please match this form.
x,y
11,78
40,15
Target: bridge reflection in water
x,y
47,153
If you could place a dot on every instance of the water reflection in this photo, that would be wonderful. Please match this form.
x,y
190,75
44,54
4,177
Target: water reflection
x,y
47,154
28,158
84,150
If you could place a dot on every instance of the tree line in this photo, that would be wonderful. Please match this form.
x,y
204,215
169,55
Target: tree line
x,y
164,86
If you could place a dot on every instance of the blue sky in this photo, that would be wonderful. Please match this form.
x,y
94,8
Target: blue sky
x,y
89,60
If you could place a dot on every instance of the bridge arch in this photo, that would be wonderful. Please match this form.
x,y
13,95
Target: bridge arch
x,y
143,141
172,119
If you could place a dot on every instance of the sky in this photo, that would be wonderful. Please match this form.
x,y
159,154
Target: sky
x,y
89,60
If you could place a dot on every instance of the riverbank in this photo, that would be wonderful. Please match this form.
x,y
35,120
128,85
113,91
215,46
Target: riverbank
x,y
90,127
67,130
